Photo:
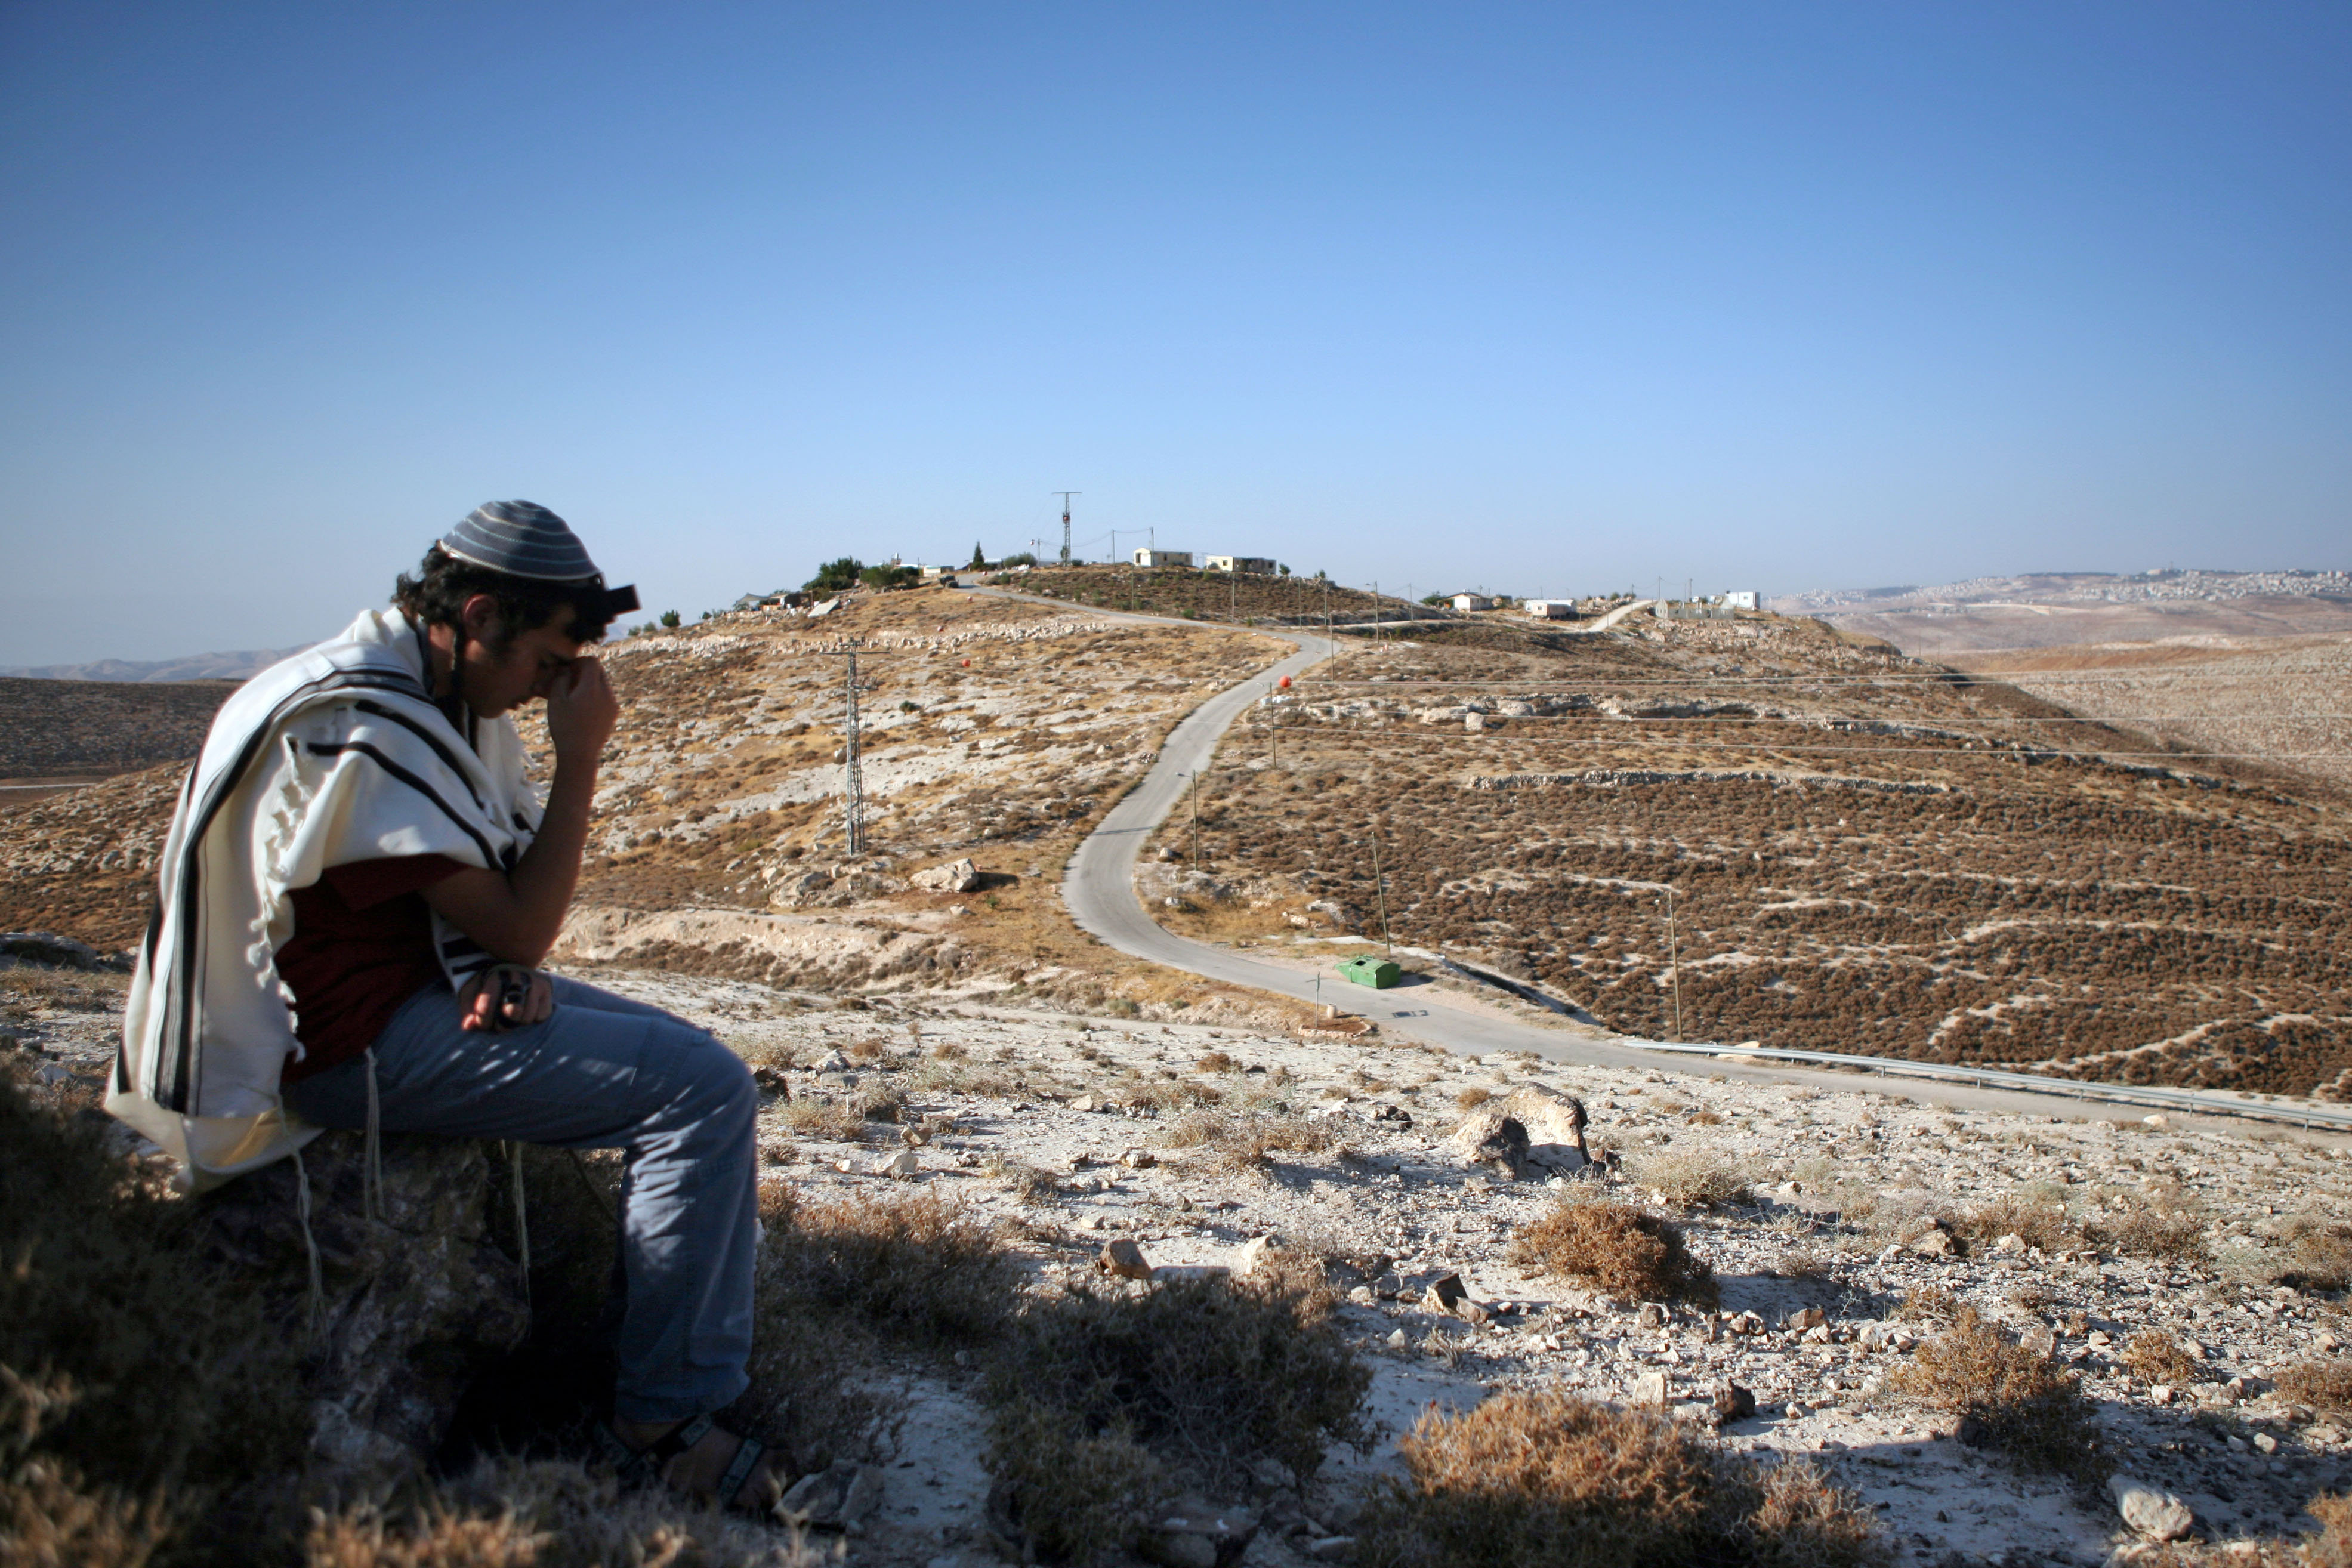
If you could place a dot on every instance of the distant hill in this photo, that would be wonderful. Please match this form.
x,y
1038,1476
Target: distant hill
x,y
242,665
89,728
2051,609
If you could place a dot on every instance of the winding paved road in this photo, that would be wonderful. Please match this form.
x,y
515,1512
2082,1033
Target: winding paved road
x,y
1100,888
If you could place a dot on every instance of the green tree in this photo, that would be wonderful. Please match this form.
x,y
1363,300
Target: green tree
x,y
979,557
669,617
835,575
887,577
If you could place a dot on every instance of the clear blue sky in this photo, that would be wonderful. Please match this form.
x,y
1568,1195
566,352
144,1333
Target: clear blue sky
x,y
1548,298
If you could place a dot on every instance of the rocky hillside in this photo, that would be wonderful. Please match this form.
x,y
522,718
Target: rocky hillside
x,y
87,729
1868,854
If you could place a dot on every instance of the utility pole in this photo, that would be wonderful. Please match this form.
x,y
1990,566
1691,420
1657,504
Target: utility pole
x,y
1380,887
1675,963
1065,496
1196,819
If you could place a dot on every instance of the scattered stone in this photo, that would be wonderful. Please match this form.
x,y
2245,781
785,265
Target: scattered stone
x,y
2160,1395
1139,1159
1085,1102
1932,1242
2010,1243
2156,1515
1732,1402
1396,1340
1650,1390
1807,1317
833,1499
1196,1534
48,948
1650,1316
1331,1548
2041,1338
1554,1124
900,1165
1124,1259
2153,1121
1445,1292
1255,1255
1363,1296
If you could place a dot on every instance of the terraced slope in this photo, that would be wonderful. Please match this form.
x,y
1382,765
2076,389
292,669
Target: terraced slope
x,y
1866,854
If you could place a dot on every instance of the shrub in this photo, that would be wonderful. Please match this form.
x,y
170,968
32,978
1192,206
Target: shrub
x,y
1617,1247
2155,1356
515,1514
1239,1142
1471,1098
2321,1385
2038,1225
1215,1061
2162,1224
916,1267
1101,1404
2008,1398
1690,1180
2320,1256
1551,1481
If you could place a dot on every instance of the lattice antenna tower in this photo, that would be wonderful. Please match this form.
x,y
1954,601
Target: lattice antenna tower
x,y
1065,496
853,780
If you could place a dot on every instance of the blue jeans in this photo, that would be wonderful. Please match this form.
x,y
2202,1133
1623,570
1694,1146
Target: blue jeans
x,y
602,1073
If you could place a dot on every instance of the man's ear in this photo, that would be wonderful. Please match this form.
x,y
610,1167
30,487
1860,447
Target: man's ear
x,y
481,618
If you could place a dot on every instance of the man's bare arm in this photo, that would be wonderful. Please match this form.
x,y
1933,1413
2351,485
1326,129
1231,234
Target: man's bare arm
x,y
517,915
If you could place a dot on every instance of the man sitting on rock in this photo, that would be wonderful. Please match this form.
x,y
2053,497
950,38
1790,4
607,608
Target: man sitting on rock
x,y
354,897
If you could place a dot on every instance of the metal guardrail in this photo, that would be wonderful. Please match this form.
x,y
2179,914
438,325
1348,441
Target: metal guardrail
x,y
2187,1099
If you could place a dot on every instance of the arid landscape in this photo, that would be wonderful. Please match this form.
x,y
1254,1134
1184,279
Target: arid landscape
x,y
1873,1325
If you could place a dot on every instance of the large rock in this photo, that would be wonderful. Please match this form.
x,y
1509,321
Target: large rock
x,y
1555,1127
955,876
1493,1137
413,1304
2156,1515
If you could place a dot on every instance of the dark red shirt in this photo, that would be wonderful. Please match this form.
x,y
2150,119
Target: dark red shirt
x,y
362,945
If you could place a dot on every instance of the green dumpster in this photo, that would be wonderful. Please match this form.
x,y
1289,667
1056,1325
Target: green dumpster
x,y
1376,973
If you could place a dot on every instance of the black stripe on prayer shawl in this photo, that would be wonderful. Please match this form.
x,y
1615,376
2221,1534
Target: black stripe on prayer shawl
x,y
180,1052
448,758
334,749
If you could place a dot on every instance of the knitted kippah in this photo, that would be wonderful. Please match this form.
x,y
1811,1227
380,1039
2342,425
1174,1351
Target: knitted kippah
x,y
521,538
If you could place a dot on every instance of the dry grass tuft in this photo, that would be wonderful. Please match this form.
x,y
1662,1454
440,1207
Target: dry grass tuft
x,y
1927,1301
1028,1182
2007,1397
1240,1142
1690,1180
2155,1356
916,1267
1471,1098
1215,1061
2320,1255
1618,1247
129,1368
2324,1386
1102,1404
1551,1481
516,1514
2038,1224
2163,1226
2331,1548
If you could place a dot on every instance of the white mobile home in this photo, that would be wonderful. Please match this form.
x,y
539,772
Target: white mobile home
x,y
1259,564
1157,558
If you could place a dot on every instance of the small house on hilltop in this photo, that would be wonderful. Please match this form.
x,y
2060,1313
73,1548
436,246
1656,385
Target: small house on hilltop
x,y
1738,599
1150,559
1468,602
1260,564
1549,609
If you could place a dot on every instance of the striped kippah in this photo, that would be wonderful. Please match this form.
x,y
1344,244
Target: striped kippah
x,y
521,538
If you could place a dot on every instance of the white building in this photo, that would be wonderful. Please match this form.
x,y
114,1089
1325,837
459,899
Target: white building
x,y
1154,557
1257,564
1551,609
1473,602
1738,599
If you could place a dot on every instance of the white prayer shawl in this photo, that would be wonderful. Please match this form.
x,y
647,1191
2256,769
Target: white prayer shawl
x,y
335,755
